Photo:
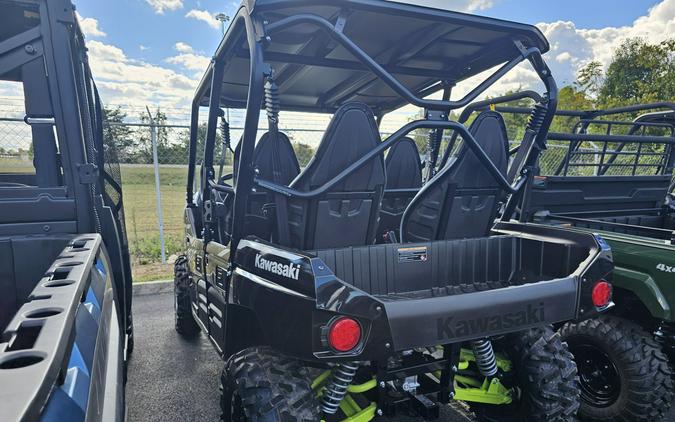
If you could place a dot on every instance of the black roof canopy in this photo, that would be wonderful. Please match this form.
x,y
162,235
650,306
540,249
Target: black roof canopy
x,y
420,46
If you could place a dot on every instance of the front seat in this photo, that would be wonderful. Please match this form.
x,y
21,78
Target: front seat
x,y
404,179
461,200
347,214
282,169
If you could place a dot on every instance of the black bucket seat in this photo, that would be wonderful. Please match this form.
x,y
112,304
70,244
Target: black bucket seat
x,y
461,200
404,179
347,214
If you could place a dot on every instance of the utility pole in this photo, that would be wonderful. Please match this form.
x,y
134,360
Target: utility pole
x,y
222,17
158,192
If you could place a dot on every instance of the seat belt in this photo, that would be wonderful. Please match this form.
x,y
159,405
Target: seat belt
x,y
281,202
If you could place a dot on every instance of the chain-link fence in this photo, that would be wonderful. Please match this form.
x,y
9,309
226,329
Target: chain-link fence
x,y
153,157
16,148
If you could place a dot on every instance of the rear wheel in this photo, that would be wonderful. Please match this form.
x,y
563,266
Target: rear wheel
x,y
185,323
623,374
260,385
543,382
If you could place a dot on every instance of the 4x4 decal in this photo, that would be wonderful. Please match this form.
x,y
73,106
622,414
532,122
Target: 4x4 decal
x,y
665,268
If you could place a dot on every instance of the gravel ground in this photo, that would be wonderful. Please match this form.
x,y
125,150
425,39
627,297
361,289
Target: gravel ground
x,y
171,379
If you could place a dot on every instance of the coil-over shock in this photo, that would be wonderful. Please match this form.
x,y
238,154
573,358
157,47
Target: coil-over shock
x,y
272,102
272,107
665,335
537,116
486,361
341,377
433,146
225,132
226,145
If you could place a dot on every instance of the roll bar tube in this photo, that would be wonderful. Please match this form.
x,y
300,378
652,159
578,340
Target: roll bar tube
x,y
591,114
393,83
638,139
387,143
245,171
484,104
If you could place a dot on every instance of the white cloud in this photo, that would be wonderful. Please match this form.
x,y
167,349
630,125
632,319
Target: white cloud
x,y
143,47
563,57
205,16
190,61
182,47
90,26
573,47
161,6
123,80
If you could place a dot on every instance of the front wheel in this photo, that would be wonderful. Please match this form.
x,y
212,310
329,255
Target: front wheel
x,y
185,323
623,374
544,382
260,385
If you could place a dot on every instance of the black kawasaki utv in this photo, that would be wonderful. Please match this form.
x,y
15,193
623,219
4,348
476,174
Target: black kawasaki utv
x,y
282,271
65,278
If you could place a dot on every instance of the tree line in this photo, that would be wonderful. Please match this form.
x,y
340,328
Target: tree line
x,y
133,144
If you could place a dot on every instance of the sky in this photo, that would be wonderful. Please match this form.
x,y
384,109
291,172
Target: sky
x,y
153,52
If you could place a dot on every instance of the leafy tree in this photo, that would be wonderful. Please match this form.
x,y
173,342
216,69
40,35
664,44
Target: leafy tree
x,y
144,148
117,138
304,153
590,79
180,150
639,73
570,98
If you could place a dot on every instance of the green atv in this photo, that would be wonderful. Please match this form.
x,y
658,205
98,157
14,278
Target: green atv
x,y
613,179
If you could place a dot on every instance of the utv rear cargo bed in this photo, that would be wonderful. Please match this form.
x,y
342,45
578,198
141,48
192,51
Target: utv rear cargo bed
x,y
461,289
424,294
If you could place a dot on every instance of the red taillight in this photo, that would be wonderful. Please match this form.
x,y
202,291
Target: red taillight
x,y
601,294
344,334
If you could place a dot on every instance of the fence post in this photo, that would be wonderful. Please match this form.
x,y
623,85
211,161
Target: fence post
x,y
158,192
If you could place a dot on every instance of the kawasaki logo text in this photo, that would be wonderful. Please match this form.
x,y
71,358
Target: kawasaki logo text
x,y
284,270
448,327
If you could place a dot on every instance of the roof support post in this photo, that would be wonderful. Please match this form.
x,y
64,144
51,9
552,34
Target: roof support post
x,y
245,171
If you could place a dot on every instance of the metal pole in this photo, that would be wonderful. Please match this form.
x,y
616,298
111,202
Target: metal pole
x,y
158,192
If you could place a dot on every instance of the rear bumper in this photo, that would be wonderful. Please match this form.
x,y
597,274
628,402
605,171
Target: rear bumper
x,y
451,319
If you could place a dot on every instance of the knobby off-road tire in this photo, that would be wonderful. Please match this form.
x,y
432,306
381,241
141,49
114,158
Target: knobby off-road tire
x,y
260,385
635,380
545,379
185,323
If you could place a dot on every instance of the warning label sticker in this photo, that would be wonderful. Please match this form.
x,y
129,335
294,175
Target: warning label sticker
x,y
413,254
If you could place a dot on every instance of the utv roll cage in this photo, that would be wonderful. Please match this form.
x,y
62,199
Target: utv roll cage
x,y
279,40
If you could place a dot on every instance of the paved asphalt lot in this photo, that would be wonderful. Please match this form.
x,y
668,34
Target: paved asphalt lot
x,y
171,379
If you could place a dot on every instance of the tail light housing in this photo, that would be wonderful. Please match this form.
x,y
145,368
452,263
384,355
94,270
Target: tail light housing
x,y
344,334
601,294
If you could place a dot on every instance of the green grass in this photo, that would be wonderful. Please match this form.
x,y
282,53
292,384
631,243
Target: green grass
x,y
142,221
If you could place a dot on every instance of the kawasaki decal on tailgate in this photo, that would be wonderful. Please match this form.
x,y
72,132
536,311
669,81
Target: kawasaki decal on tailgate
x,y
449,328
